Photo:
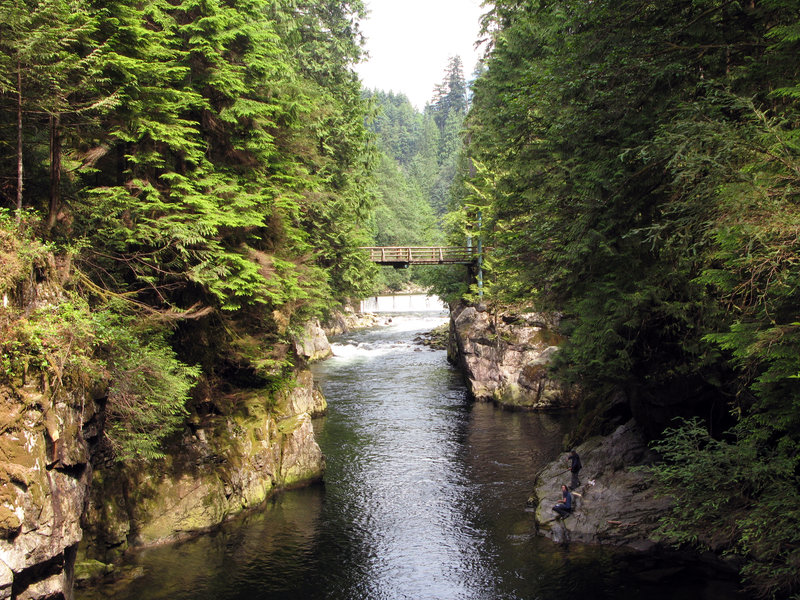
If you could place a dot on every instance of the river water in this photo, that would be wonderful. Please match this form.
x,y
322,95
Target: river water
x,y
424,499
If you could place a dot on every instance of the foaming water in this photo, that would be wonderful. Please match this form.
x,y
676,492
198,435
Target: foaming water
x,y
395,339
423,499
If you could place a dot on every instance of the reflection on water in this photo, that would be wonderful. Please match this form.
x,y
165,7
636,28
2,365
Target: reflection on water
x,y
423,500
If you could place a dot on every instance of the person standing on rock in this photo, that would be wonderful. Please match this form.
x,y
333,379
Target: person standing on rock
x,y
574,466
564,506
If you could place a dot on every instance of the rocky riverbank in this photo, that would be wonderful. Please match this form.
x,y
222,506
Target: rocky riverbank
x,y
221,464
45,474
614,503
68,508
617,505
504,357
252,443
349,320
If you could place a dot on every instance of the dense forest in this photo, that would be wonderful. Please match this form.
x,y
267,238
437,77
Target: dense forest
x,y
195,177
193,180
637,166
419,152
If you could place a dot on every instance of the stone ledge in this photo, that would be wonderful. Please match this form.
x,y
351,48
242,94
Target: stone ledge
x,y
614,504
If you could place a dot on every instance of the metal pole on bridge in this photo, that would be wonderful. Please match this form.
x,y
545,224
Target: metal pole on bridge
x,y
480,256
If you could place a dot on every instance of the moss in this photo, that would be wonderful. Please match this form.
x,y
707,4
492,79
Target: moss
x,y
20,453
291,424
87,570
9,522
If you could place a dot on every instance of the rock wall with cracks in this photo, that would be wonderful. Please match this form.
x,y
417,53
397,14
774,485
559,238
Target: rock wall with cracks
x,y
45,474
63,499
221,465
504,357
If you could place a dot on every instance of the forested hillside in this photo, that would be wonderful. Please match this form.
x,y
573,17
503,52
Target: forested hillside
x,y
194,177
184,184
418,151
637,165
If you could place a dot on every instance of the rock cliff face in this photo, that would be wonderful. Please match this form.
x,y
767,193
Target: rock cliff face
x,y
45,474
63,497
342,322
221,465
505,357
614,503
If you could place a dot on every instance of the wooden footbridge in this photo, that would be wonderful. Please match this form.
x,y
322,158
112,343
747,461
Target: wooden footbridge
x,y
401,257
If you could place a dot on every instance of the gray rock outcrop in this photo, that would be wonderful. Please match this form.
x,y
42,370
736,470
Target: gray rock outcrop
x,y
45,473
222,465
615,504
349,320
62,494
505,357
312,343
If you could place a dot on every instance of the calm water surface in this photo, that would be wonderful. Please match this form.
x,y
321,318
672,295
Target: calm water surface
x,y
424,499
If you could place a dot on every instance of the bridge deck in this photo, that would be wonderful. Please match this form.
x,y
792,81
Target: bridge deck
x,y
419,255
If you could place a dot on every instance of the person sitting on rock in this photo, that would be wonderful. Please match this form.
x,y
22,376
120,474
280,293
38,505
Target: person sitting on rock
x,y
564,506
574,466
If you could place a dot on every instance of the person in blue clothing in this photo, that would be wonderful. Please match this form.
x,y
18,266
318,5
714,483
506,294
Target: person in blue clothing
x,y
564,506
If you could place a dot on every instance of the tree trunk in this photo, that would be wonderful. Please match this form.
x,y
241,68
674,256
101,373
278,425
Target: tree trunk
x,y
19,141
121,163
55,170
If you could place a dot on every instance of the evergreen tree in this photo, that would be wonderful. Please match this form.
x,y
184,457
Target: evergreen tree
x,y
45,73
216,164
450,96
635,163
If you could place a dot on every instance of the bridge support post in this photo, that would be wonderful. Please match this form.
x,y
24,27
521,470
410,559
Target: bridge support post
x,y
480,256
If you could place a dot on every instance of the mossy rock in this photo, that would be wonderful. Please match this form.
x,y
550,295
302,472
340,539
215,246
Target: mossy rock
x,y
87,570
291,424
10,523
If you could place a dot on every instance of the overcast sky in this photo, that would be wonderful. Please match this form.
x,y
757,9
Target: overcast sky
x,y
410,41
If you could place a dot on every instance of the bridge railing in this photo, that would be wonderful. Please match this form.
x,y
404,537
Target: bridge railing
x,y
422,255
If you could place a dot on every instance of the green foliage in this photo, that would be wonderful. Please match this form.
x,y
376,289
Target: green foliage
x,y
19,250
402,217
196,133
75,346
149,386
740,494
203,158
450,97
53,340
637,166
420,153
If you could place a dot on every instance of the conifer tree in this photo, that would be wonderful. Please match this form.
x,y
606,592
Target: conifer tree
x,y
641,161
215,162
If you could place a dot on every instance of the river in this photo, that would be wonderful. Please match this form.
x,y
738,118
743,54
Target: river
x,y
423,499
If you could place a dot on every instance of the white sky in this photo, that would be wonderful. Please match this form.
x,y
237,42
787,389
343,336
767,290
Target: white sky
x,y
410,41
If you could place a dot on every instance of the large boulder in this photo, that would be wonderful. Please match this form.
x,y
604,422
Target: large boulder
x,y
505,357
312,343
614,504
349,320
